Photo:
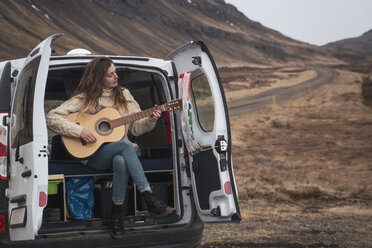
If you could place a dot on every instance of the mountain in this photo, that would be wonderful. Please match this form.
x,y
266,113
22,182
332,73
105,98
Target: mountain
x,y
150,28
362,43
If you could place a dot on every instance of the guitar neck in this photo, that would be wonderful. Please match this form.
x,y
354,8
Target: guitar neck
x,y
136,116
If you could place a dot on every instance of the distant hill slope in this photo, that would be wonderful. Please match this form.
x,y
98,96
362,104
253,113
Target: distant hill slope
x,y
149,28
362,43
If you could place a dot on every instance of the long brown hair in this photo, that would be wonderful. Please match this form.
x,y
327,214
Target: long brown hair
x,y
91,84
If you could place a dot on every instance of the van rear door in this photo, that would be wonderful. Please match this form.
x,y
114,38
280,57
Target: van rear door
x,y
206,129
4,112
28,177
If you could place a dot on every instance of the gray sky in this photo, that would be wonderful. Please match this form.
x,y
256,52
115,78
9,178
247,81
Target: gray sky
x,y
314,21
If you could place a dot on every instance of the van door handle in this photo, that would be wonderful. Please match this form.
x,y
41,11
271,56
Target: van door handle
x,y
26,173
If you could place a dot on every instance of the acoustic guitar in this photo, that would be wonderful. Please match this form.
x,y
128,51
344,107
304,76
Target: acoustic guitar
x,y
108,126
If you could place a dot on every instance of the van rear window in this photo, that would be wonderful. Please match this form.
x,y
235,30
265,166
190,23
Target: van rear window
x,y
203,101
21,117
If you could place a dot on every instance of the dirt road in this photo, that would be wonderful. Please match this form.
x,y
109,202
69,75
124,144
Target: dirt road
x,y
303,169
259,101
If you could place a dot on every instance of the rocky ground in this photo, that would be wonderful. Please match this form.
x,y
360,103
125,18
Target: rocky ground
x,y
303,168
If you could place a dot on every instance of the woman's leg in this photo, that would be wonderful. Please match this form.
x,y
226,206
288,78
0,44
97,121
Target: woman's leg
x,y
122,158
123,153
134,165
105,159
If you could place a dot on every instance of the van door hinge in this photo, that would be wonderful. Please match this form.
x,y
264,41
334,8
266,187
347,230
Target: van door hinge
x,y
6,120
216,211
236,218
45,151
18,159
196,60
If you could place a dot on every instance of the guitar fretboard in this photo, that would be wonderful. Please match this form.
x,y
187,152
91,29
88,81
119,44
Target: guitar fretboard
x,y
136,116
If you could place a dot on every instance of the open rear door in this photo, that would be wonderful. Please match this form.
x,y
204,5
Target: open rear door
x,y
4,112
28,141
206,129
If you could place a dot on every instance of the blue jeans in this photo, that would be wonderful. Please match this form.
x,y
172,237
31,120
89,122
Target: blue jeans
x,y
122,158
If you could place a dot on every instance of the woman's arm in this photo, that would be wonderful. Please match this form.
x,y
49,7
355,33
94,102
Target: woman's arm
x,y
57,122
141,126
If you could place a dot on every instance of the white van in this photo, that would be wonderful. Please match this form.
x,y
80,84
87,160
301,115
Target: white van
x,y
186,157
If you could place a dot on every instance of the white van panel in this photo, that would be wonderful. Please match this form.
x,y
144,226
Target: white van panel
x,y
28,182
212,177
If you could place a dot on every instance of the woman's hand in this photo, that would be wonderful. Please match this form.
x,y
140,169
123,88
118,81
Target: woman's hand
x,y
156,113
87,137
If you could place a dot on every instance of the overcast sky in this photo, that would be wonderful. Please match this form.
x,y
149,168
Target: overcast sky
x,y
314,21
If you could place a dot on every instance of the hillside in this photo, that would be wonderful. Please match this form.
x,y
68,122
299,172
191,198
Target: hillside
x,y
149,28
362,43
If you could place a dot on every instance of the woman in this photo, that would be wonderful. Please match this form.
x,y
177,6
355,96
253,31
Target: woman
x,y
99,89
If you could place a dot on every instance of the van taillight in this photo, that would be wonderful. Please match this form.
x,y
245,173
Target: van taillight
x,y
2,223
2,150
228,188
42,199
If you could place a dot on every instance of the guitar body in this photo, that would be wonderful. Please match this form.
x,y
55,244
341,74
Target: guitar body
x,y
96,124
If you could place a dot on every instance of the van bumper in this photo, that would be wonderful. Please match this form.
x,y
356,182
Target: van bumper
x,y
183,236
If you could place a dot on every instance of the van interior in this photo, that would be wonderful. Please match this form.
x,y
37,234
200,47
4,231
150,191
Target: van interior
x,y
154,150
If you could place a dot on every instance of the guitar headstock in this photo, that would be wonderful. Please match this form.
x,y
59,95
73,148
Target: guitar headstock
x,y
173,105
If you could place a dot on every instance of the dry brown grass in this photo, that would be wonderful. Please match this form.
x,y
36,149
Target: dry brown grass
x,y
314,147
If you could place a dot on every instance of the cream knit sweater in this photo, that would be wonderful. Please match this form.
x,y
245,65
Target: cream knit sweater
x,y
57,122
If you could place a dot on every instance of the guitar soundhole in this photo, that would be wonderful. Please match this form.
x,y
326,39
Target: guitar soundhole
x,y
104,127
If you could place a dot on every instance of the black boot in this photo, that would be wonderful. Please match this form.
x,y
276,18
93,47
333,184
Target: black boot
x,y
155,206
117,221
